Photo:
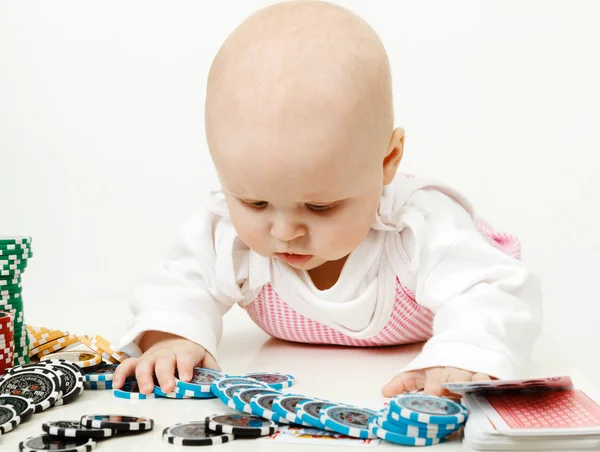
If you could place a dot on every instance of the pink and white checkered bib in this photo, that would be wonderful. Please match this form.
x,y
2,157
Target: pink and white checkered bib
x,y
408,323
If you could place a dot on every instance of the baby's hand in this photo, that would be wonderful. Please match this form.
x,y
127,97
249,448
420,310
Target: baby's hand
x,y
163,353
430,380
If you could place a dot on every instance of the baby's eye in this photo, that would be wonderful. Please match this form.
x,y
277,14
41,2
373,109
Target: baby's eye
x,y
256,204
320,207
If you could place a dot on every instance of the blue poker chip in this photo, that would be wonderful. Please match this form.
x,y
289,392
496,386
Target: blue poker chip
x,y
201,382
397,438
275,380
168,395
131,391
262,405
226,394
348,420
97,385
384,421
428,409
394,417
309,411
102,372
285,406
242,397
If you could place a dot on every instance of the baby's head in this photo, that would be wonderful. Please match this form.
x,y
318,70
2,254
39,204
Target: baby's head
x,y
300,125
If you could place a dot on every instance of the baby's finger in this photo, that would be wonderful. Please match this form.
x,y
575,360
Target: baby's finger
x,y
434,380
144,373
165,372
125,369
210,362
481,377
185,365
459,375
404,382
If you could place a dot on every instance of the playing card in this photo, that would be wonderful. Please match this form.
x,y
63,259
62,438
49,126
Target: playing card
x,y
542,412
506,385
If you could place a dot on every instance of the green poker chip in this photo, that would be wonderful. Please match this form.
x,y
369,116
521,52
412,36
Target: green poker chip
x,y
12,267
15,240
17,253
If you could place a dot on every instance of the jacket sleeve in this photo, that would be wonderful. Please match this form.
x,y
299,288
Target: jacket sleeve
x,y
180,295
487,305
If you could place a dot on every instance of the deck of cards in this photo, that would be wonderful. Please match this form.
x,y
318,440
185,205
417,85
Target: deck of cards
x,y
536,414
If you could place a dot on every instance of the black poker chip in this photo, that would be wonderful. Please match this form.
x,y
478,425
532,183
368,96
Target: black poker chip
x,y
9,419
58,371
22,406
242,425
56,444
194,434
36,384
118,422
72,380
74,429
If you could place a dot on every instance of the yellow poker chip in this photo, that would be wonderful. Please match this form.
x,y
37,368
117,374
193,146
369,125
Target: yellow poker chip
x,y
54,346
107,348
47,338
81,359
37,330
85,340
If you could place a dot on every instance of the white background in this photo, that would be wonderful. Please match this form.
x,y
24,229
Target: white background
x,y
103,156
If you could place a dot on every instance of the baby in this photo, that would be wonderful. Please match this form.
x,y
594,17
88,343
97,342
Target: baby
x,y
314,232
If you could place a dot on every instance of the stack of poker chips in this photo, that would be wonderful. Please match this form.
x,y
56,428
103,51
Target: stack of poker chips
x,y
15,253
418,420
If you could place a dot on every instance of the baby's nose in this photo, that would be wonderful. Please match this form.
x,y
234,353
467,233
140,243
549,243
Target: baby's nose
x,y
287,229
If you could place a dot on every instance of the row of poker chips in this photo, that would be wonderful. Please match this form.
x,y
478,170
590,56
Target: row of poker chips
x,y
410,419
15,253
32,388
82,435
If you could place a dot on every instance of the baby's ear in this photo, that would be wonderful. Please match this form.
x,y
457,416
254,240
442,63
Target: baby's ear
x,y
393,156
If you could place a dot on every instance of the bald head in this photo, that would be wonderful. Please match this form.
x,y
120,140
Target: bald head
x,y
306,71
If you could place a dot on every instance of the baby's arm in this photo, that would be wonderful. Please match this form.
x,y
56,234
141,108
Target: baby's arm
x,y
487,305
178,310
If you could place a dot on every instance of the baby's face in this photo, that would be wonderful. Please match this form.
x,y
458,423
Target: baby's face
x,y
305,185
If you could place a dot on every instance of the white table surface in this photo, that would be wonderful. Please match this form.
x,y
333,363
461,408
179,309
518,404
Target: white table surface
x,y
351,375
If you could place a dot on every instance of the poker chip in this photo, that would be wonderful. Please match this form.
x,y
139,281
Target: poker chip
x,y
61,377
102,372
81,359
44,338
54,345
117,422
201,382
15,241
104,348
22,406
273,379
226,395
228,381
41,386
242,425
73,379
9,419
98,385
285,406
428,409
56,444
169,395
242,397
415,430
262,405
131,390
348,420
194,434
74,429
308,411
397,438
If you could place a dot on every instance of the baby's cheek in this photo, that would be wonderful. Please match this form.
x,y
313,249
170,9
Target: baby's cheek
x,y
251,232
